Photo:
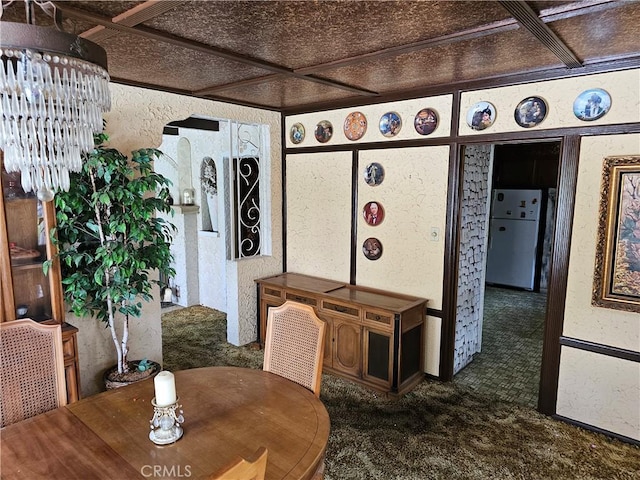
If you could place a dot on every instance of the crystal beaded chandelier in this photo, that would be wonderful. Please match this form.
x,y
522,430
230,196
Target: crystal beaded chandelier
x,y
54,88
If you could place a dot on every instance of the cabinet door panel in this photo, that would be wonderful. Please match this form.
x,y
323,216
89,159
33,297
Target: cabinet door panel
x,y
346,347
377,356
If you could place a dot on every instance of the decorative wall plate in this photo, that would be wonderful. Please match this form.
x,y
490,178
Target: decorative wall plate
x,y
426,121
591,104
372,248
390,124
481,115
530,112
374,174
297,133
323,131
355,125
373,213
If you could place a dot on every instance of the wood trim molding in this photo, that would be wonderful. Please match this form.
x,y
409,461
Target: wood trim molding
x,y
567,180
601,349
451,260
8,310
354,217
433,312
606,433
283,182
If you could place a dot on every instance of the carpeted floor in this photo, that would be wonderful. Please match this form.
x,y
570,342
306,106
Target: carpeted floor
x,y
508,366
437,431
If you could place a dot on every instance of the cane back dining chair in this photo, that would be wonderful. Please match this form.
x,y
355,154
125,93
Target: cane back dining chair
x,y
32,379
294,344
242,469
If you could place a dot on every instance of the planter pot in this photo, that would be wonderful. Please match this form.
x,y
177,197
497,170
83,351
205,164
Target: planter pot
x,y
113,380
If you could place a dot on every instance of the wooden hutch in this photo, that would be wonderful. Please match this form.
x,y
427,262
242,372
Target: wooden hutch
x,y
373,337
25,223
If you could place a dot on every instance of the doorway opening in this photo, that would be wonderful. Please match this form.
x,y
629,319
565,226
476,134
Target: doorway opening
x,y
504,267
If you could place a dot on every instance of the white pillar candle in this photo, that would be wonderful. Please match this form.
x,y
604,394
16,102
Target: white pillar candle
x,y
165,387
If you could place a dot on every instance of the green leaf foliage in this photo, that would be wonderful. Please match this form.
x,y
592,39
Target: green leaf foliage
x,y
108,235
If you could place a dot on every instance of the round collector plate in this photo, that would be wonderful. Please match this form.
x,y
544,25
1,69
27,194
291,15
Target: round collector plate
x,y
426,121
373,174
592,104
372,248
355,125
481,115
530,112
390,124
373,213
323,131
297,133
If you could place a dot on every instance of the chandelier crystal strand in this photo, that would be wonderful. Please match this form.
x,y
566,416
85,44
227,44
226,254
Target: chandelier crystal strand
x,y
52,105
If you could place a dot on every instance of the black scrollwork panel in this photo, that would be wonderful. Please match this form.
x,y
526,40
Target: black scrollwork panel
x,y
247,207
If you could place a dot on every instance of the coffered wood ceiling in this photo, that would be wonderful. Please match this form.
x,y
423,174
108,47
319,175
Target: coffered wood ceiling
x,y
294,56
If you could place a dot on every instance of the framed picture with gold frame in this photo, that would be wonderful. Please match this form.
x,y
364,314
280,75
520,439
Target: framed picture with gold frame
x,y
616,282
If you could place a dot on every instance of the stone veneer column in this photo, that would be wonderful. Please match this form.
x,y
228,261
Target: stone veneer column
x,y
471,266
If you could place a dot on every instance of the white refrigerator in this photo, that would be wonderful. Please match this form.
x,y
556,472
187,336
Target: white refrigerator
x,y
513,238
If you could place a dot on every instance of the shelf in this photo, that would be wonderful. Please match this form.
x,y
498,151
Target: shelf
x,y
27,266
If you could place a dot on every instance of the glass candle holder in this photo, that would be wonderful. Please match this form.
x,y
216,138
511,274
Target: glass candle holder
x,y
165,424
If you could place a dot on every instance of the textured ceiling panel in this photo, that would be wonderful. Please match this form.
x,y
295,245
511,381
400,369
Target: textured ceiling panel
x,y
617,32
300,33
285,93
354,49
167,65
480,58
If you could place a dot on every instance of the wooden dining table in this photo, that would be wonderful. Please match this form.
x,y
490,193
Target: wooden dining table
x,y
228,412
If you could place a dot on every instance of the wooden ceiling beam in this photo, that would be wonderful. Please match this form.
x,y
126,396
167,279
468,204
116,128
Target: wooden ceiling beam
x,y
134,16
529,19
141,30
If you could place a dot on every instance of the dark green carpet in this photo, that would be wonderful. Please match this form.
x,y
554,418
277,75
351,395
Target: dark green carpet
x,y
437,431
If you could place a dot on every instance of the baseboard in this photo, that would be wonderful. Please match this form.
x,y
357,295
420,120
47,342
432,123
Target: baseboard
x,y
592,428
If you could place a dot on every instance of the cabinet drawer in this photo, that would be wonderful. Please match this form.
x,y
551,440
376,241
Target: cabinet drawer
x,y
271,292
334,307
382,320
295,297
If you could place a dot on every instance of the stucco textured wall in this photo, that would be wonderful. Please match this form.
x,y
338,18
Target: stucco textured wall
x,y
136,120
592,388
583,393
319,214
413,201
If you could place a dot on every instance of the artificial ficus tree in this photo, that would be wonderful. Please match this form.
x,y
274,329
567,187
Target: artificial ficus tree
x,y
110,239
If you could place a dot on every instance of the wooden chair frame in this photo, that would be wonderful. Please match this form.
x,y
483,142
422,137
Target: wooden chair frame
x,y
241,469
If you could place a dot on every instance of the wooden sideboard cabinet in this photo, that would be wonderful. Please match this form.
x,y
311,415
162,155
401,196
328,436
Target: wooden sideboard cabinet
x,y
25,223
373,337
